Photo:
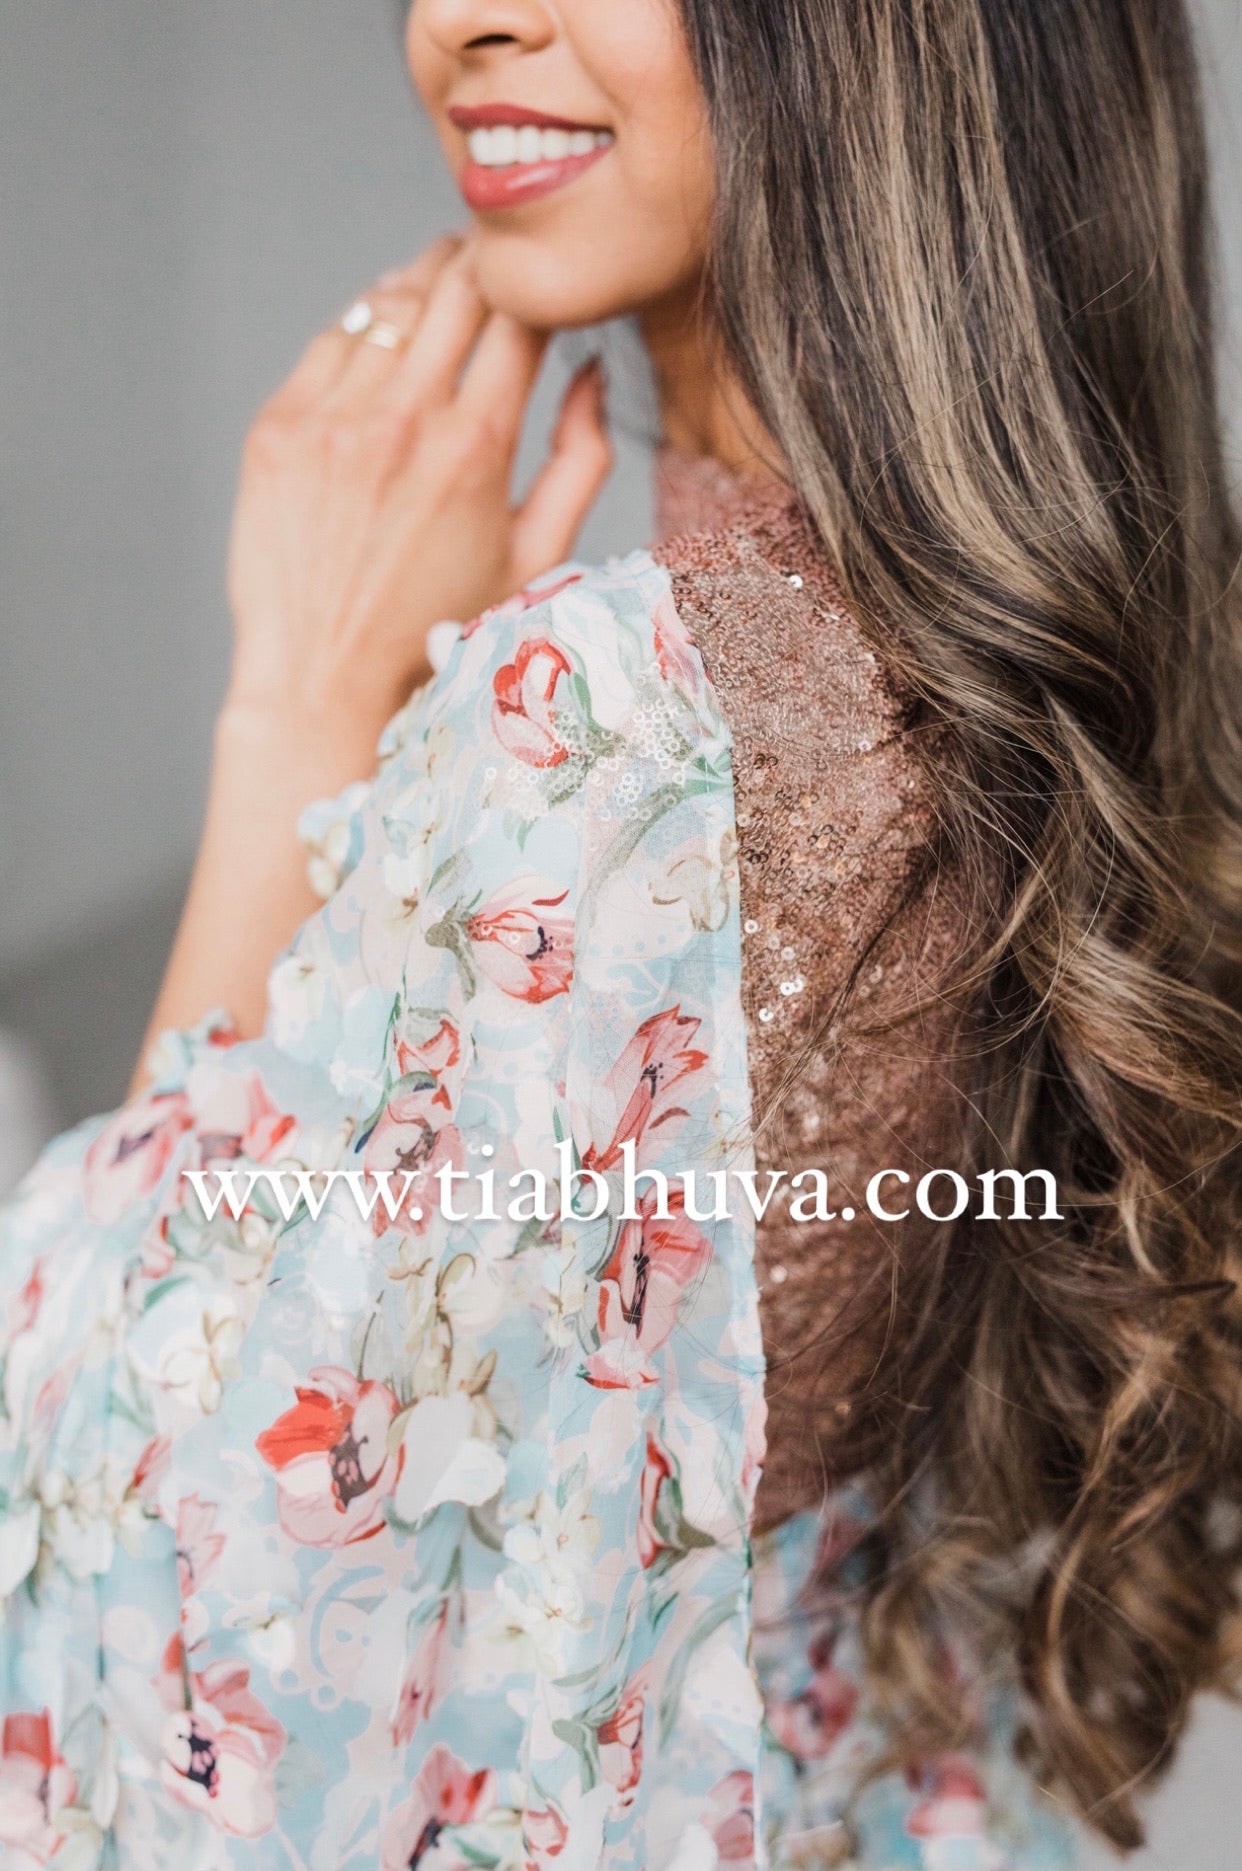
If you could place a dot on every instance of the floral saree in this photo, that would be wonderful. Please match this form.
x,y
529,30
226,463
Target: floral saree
x,y
333,1540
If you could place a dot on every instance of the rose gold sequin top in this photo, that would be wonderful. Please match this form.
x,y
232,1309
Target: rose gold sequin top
x,y
834,820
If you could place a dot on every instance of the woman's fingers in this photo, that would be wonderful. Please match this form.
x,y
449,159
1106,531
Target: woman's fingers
x,y
565,489
453,316
420,273
397,301
371,362
330,352
316,371
499,378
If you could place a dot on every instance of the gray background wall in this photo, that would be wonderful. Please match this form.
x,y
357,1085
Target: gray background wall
x,y
187,190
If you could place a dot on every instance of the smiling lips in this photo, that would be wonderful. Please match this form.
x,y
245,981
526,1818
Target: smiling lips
x,y
517,155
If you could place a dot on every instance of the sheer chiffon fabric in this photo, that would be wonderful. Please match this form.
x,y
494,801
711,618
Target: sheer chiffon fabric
x,y
332,1541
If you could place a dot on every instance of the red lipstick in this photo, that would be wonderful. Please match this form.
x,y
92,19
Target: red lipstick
x,y
485,116
516,154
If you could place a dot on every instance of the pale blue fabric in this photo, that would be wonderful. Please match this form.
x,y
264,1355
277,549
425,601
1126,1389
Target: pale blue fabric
x,y
330,1544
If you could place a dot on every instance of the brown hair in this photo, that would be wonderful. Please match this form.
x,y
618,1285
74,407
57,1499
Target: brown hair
x,y
959,268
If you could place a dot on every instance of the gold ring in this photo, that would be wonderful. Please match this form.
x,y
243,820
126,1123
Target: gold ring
x,y
387,337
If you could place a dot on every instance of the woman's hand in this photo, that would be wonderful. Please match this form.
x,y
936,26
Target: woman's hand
x,y
375,497
374,501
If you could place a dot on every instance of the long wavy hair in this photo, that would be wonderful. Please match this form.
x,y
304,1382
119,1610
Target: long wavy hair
x,y
959,269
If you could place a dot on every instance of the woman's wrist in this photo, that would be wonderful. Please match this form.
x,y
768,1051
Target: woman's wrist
x,y
313,747
250,889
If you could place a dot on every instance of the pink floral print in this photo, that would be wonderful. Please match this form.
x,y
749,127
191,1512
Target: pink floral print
x,y
521,944
127,1159
221,1746
416,1699
641,1286
447,1793
36,1786
414,1134
525,718
334,1470
331,1542
652,1065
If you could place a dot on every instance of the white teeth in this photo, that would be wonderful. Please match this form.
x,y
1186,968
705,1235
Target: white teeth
x,y
503,145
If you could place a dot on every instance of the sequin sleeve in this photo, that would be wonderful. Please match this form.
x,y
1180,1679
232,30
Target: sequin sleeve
x,y
849,929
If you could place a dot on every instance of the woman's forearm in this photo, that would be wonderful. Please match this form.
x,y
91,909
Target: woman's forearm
x,y
249,891
375,498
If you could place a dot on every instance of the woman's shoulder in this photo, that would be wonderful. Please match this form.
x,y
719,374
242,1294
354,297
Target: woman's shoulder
x,y
791,659
834,771
611,614
739,617
829,750
555,678
728,647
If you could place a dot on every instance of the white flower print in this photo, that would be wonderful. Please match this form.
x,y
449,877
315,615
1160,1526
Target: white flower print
x,y
195,1365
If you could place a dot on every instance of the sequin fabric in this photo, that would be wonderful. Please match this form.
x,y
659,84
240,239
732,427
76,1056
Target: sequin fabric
x,y
838,891
833,821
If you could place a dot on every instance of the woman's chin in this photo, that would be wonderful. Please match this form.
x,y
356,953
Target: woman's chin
x,y
551,285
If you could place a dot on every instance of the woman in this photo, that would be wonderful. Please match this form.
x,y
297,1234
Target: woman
x,y
882,820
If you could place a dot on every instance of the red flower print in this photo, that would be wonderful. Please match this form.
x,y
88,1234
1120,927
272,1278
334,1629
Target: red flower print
x,y
544,1832
172,1680
675,652
151,1467
810,1724
658,1057
417,1695
446,1793
408,1138
330,1454
439,1056
621,1743
953,1802
128,1157
523,717
640,1290
24,1305
239,1119
220,1751
413,1135
656,1471
35,1787
731,1818
520,601
521,945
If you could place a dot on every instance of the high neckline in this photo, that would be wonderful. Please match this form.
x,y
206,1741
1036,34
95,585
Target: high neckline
x,y
699,494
